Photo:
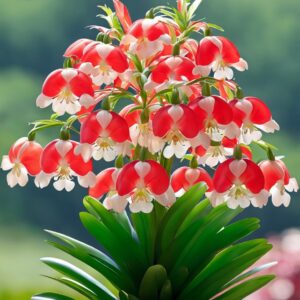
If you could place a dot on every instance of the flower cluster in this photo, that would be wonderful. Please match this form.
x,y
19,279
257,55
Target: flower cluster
x,y
144,94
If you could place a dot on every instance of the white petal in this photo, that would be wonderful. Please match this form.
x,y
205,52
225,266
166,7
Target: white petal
x,y
72,108
269,127
12,180
86,100
292,186
237,167
116,203
260,200
86,68
110,154
85,150
232,203
141,206
59,107
69,74
42,180
62,184
6,164
63,147
89,180
242,65
166,199
232,130
43,101
223,73
142,169
104,118
202,70
175,112
180,149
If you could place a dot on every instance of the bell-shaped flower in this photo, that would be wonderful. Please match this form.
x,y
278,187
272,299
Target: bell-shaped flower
x,y
215,117
170,71
103,135
219,54
278,181
141,133
146,38
178,126
252,115
143,182
106,185
24,158
105,63
67,90
238,182
76,49
185,177
59,161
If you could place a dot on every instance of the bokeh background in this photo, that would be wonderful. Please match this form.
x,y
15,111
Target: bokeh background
x,y
33,37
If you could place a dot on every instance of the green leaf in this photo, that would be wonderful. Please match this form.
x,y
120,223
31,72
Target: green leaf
x,y
127,257
224,267
152,282
76,286
215,26
51,296
95,259
246,288
194,6
176,215
251,272
79,276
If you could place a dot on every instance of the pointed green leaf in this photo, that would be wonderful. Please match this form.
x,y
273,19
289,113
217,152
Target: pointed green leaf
x,y
80,276
51,296
246,288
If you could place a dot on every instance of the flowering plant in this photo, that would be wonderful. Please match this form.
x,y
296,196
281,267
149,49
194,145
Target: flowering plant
x,y
145,94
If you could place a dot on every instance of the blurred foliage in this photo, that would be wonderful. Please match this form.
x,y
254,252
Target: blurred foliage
x,y
34,35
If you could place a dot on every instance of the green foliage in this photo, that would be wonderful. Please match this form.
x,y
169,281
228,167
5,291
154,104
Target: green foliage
x,y
191,251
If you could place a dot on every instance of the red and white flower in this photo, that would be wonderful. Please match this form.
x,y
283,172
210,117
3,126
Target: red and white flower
x,y
76,49
23,159
215,117
239,183
278,181
143,181
67,90
146,38
59,161
104,135
177,125
141,133
184,178
105,63
252,114
106,185
171,71
219,54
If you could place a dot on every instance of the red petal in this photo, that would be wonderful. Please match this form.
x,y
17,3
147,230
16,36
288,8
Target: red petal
x,y
206,52
82,84
260,114
127,179
76,49
272,171
50,158
118,128
53,84
117,60
230,52
253,177
104,183
223,178
90,129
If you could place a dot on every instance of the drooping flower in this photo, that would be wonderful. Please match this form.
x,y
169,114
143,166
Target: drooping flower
x,y
239,182
177,125
67,90
23,159
185,177
252,115
170,71
141,133
104,135
146,38
143,181
219,54
106,185
76,49
278,181
215,117
59,161
104,62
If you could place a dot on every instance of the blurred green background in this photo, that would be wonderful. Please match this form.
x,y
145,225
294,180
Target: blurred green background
x,y
33,37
